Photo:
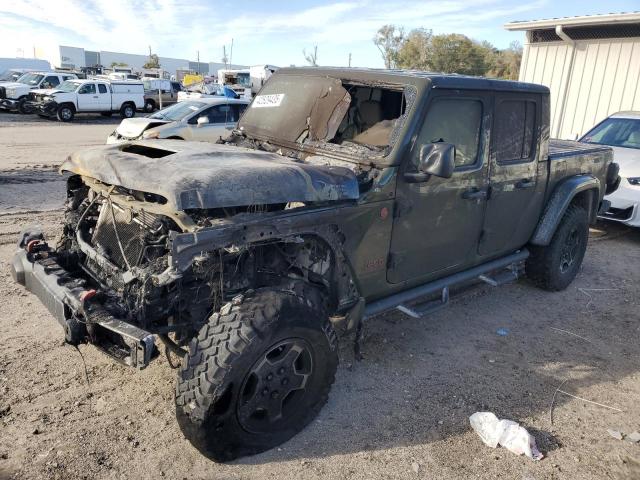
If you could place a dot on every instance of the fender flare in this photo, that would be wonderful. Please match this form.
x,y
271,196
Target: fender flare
x,y
562,196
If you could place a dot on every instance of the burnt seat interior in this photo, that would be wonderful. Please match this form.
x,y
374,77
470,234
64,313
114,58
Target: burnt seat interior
x,y
371,115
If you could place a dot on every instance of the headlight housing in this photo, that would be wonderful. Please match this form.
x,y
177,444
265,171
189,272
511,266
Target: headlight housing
x,y
11,92
150,134
634,181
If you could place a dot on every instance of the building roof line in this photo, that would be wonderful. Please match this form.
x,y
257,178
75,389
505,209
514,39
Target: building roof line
x,y
584,20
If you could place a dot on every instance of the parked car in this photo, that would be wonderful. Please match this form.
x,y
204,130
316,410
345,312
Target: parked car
x,y
208,90
621,131
15,95
343,194
169,92
89,96
207,119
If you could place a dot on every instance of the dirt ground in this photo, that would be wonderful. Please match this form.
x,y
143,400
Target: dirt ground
x,y
402,412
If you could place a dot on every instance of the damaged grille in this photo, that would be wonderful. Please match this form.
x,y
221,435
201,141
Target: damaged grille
x,y
129,228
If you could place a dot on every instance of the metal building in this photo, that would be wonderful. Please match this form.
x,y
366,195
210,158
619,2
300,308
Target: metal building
x,y
590,63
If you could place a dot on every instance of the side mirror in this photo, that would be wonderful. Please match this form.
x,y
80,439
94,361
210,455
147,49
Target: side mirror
x,y
203,120
437,159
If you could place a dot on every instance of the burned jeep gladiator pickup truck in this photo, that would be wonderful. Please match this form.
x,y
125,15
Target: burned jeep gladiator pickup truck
x,y
342,194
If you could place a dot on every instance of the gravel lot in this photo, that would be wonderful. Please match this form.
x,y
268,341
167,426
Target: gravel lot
x,y
402,412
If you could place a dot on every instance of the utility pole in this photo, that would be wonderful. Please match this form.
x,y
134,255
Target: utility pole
x,y
231,54
349,59
198,55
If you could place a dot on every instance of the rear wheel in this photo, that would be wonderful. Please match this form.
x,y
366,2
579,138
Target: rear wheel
x,y
149,106
554,266
257,373
127,111
65,113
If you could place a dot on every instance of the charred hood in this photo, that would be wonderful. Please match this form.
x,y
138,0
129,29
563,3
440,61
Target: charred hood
x,y
202,175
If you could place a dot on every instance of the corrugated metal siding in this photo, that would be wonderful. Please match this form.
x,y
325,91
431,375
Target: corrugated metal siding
x,y
605,79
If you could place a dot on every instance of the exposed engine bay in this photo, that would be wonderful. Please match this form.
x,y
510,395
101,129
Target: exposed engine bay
x,y
124,253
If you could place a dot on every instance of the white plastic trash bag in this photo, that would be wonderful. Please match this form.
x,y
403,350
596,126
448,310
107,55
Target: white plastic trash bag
x,y
507,433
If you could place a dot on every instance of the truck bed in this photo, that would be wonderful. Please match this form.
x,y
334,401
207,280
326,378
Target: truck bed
x,y
568,148
568,158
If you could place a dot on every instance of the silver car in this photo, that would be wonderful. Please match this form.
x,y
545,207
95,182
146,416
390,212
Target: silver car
x,y
621,131
205,120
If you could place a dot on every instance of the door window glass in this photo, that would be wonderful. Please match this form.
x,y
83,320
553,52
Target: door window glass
x,y
87,88
455,121
515,126
50,82
102,88
220,114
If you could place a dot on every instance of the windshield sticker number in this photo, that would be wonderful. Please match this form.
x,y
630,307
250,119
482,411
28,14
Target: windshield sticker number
x,y
264,101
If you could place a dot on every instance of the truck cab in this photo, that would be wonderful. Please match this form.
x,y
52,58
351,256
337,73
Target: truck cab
x,y
14,95
89,96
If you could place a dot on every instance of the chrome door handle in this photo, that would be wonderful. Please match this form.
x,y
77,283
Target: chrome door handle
x,y
525,183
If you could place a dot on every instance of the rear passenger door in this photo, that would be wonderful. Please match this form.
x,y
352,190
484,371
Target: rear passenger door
x,y
516,188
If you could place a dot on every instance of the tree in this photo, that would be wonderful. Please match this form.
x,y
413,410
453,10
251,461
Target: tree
x,y
119,64
456,53
452,53
153,62
505,63
311,58
414,51
389,39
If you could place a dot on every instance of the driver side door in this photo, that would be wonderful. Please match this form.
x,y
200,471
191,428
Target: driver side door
x,y
220,121
88,99
438,222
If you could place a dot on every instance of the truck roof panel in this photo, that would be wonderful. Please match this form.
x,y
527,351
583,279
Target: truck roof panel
x,y
417,77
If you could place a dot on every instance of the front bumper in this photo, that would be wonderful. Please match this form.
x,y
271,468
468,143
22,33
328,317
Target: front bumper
x,y
68,299
48,109
625,204
8,104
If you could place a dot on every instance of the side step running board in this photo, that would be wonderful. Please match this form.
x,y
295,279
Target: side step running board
x,y
513,264
500,278
424,309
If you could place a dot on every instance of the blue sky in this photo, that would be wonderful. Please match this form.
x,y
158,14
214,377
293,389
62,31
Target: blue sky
x,y
272,32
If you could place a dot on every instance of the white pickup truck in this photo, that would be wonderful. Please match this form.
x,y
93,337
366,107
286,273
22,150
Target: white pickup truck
x,y
89,96
14,95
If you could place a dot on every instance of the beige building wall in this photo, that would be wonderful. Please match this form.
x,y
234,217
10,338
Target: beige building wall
x,y
588,79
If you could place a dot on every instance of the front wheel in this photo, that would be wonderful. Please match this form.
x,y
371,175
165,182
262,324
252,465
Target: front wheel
x,y
258,372
553,267
127,111
65,113
22,106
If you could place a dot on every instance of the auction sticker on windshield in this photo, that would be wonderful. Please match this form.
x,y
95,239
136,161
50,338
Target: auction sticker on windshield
x,y
273,100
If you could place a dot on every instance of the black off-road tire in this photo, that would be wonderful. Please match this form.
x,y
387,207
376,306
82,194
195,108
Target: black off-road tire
x,y
555,266
238,368
128,110
65,113
22,106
